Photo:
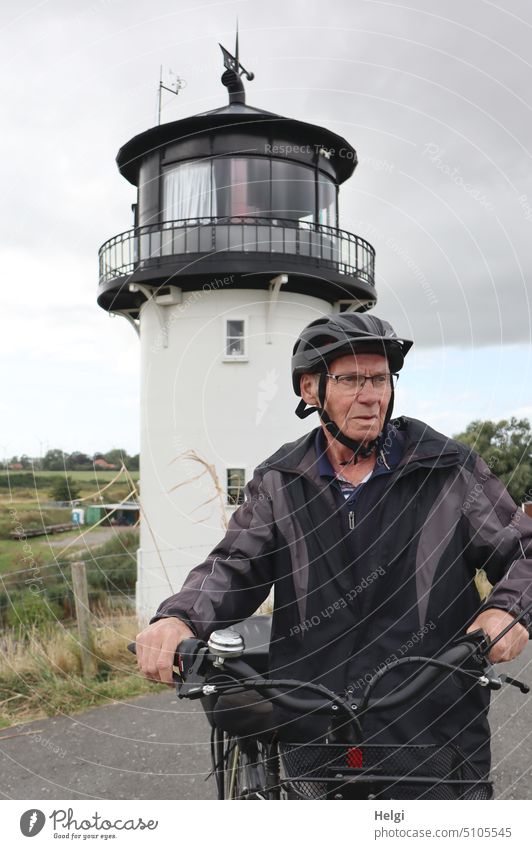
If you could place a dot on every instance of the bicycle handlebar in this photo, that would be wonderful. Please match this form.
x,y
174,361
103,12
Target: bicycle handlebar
x,y
193,679
448,661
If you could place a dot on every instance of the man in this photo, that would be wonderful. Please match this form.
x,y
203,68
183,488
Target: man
x,y
371,530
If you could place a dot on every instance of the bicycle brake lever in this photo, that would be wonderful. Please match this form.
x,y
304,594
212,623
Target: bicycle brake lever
x,y
192,654
524,688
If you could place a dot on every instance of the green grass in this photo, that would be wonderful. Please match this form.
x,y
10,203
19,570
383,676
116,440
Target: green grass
x,y
12,551
40,671
111,574
27,505
25,477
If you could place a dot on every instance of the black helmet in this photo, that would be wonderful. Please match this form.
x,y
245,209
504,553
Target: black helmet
x,y
327,338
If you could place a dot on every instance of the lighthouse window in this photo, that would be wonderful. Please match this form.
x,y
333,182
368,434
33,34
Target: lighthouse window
x,y
326,202
187,191
293,191
235,345
236,481
242,186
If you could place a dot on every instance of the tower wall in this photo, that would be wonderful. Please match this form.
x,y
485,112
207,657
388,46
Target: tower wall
x,y
232,413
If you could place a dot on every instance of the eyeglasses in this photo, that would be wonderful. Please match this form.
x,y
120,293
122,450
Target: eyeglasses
x,y
352,384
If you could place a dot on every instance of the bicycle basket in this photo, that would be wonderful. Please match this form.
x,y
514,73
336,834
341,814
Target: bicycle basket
x,y
329,771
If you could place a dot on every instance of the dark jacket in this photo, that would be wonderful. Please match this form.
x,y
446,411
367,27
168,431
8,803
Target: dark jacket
x,y
354,589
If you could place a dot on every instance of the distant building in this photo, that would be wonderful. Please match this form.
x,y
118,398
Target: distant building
x,y
126,513
103,464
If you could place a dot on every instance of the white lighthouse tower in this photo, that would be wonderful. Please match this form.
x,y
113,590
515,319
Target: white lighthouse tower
x,y
235,247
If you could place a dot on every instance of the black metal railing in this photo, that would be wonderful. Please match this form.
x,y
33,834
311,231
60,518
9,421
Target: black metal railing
x,y
320,244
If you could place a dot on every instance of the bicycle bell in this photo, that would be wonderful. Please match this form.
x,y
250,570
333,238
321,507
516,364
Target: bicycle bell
x,y
226,643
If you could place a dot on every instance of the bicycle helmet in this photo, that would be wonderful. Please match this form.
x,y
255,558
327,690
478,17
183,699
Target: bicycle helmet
x,y
330,337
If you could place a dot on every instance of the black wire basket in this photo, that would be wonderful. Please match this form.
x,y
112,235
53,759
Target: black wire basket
x,y
341,771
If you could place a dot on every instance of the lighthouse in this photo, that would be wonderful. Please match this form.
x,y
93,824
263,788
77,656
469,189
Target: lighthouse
x,y
235,247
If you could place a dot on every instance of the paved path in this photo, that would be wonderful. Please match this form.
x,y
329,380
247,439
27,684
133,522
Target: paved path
x,y
156,747
90,538
152,747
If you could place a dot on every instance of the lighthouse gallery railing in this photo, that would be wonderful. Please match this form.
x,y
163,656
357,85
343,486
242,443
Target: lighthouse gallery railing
x,y
154,243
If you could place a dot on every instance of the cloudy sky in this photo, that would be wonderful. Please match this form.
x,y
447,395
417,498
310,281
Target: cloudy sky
x,y
436,98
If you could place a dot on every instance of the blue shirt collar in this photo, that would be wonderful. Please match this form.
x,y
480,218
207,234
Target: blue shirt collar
x,y
392,449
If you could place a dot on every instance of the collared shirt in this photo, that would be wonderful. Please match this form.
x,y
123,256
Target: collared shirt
x,y
387,460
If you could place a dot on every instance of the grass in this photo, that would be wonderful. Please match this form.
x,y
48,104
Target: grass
x,y
29,493
90,476
40,673
28,504
40,666
111,574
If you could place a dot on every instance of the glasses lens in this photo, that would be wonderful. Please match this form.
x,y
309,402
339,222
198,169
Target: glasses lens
x,y
353,383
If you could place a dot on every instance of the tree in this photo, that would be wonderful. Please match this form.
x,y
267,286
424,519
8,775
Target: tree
x,y
65,489
133,464
117,456
78,460
26,461
54,460
506,446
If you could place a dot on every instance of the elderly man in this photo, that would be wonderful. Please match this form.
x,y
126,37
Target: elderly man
x,y
371,530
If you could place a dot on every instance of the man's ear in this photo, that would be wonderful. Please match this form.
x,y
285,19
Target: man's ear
x,y
308,385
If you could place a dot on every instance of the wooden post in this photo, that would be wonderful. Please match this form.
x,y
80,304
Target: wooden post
x,y
81,599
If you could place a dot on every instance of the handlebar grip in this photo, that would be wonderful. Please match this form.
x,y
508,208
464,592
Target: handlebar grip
x,y
181,649
454,656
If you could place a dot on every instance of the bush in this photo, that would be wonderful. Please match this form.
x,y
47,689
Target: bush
x,y
114,565
30,609
65,489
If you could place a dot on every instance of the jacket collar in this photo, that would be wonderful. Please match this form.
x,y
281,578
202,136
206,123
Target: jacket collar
x,y
426,446
422,444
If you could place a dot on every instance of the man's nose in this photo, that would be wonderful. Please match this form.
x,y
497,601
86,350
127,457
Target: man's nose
x,y
368,392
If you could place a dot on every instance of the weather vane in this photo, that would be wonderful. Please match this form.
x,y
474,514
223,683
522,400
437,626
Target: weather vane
x,y
231,78
173,89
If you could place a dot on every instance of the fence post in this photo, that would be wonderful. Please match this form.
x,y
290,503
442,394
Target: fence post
x,y
81,599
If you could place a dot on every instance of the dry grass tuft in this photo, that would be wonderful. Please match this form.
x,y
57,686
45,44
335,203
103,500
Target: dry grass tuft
x,y
40,674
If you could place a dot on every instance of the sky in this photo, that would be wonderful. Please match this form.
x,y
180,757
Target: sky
x,y
435,97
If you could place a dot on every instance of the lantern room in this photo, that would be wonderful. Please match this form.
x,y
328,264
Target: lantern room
x,y
241,193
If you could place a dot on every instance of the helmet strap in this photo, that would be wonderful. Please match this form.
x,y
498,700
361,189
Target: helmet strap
x,y
358,449
302,411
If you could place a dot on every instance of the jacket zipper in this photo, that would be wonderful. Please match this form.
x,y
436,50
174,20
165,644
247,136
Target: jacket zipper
x,y
351,520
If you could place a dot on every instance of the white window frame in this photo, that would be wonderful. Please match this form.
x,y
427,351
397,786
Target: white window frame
x,y
241,466
235,358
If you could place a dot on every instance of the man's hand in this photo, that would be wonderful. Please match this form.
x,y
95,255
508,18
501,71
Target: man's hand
x,y
156,647
492,622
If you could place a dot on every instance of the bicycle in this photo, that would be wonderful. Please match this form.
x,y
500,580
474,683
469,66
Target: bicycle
x,y
250,762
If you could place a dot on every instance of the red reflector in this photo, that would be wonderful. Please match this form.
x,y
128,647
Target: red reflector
x,y
355,758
